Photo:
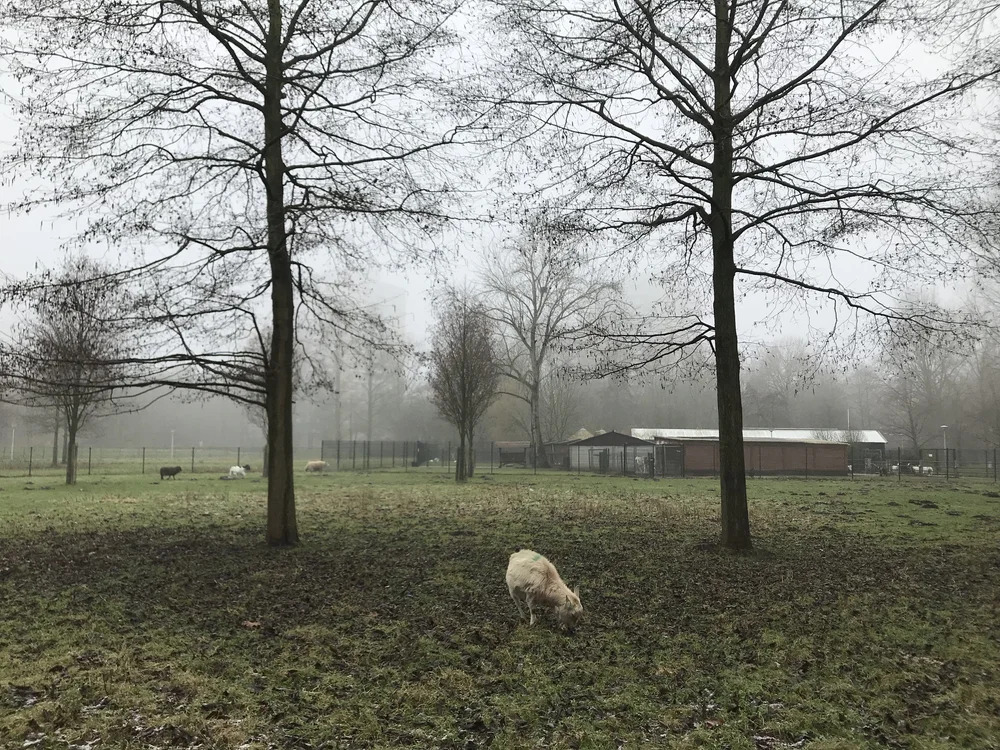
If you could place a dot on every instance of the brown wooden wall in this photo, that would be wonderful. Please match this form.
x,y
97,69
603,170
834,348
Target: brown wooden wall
x,y
702,457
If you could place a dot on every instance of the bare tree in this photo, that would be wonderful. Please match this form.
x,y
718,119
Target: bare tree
x,y
465,373
72,348
918,375
560,405
235,146
545,293
386,378
765,142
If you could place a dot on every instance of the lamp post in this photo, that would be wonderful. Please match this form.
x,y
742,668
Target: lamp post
x,y
944,437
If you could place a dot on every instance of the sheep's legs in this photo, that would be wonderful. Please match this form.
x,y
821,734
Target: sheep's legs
x,y
531,611
520,609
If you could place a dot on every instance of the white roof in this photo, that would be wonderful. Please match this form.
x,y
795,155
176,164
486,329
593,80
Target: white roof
x,y
832,434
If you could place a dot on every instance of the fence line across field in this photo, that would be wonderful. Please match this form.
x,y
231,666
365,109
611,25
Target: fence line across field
x,y
657,460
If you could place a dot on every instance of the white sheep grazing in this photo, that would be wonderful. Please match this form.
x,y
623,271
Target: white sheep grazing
x,y
534,580
316,466
235,472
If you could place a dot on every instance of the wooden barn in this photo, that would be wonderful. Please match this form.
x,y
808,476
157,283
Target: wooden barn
x,y
698,455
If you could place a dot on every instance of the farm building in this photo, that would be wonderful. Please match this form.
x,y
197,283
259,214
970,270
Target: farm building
x,y
514,453
789,452
612,452
864,439
522,453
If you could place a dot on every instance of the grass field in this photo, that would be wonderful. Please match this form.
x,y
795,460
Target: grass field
x,y
138,614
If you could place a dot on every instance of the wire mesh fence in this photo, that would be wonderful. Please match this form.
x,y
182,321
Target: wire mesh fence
x,y
105,461
417,455
937,463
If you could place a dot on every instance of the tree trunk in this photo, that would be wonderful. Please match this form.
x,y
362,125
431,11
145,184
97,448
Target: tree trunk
x,y
71,430
371,403
337,415
55,440
470,463
65,447
281,524
535,402
733,479
460,474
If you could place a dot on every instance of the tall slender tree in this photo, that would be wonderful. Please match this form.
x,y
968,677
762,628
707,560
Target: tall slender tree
x,y
236,146
766,146
544,293
464,371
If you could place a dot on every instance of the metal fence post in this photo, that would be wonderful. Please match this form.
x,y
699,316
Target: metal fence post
x,y
406,463
90,458
143,460
381,452
899,463
192,459
238,456
31,453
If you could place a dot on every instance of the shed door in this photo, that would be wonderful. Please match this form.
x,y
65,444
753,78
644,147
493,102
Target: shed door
x,y
670,460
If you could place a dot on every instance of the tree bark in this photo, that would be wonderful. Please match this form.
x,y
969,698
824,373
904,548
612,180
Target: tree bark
x,y
470,463
735,515
371,402
55,440
71,453
460,474
541,458
281,523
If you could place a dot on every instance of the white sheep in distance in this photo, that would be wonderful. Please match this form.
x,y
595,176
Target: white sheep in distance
x,y
316,466
532,579
237,472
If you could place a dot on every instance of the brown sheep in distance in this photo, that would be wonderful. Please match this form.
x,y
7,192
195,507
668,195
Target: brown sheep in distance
x,y
169,471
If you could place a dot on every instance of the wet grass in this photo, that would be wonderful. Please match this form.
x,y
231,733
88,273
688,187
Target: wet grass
x,y
139,614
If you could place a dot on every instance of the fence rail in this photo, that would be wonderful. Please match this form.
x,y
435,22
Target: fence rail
x,y
939,463
122,461
417,455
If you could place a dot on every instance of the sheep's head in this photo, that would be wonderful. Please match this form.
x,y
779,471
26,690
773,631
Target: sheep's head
x,y
571,610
